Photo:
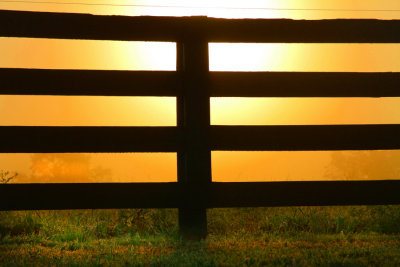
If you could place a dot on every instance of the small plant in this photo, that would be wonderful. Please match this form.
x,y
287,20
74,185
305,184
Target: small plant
x,y
6,177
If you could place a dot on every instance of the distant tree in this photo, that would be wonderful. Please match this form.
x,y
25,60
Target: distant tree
x,y
100,174
66,168
372,165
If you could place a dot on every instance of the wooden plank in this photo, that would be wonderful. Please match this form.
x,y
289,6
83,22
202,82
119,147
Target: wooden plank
x,y
96,27
31,139
213,195
88,82
304,84
306,137
86,26
321,193
194,160
304,31
223,84
88,196
194,112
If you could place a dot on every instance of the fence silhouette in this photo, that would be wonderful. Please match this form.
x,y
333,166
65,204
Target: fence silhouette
x,y
194,138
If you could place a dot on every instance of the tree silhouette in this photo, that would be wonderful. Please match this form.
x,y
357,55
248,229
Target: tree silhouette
x,y
365,165
65,168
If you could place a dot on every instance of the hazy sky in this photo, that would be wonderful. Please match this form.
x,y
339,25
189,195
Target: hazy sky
x,y
150,111
224,8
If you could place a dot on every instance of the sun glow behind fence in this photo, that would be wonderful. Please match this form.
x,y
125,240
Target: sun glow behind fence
x,y
24,110
91,167
293,9
265,57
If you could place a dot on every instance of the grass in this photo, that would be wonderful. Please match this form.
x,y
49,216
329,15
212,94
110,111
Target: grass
x,y
295,236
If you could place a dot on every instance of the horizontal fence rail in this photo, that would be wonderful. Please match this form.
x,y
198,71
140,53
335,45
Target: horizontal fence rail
x,y
42,139
95,27
222,84
194,138
30,139
306,137
88,82
304,84
88,196
214,195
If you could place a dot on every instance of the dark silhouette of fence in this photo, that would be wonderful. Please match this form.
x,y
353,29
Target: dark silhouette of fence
x,y
193,138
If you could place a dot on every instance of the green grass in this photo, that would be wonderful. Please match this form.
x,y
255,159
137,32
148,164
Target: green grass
x,y
296,236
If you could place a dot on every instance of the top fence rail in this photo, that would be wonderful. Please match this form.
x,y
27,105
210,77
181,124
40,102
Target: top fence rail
x,y
173,29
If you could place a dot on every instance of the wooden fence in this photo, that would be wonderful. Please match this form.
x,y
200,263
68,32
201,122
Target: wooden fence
x,y
194,138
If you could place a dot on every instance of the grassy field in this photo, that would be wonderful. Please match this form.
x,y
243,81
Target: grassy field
x,y
296,236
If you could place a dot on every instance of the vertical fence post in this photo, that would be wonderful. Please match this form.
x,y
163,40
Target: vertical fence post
x,y
194,158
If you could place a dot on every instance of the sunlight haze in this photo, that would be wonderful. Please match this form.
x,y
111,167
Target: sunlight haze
x,y
152,111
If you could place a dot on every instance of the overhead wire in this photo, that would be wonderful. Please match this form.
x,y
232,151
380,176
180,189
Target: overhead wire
x,y
199,7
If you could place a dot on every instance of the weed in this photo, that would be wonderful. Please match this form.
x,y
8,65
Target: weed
x,y
6,177
301,236
19,223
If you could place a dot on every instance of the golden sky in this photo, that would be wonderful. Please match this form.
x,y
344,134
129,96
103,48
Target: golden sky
x,y
222,8
151,111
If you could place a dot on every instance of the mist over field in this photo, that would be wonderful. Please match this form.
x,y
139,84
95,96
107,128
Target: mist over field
x,y
227,166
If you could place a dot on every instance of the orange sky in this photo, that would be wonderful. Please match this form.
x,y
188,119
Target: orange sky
x,y
223,8
135,111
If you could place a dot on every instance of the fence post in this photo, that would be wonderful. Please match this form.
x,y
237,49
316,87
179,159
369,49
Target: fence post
x,y
193,117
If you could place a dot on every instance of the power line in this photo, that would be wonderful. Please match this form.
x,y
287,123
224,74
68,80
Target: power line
x,y
199,7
